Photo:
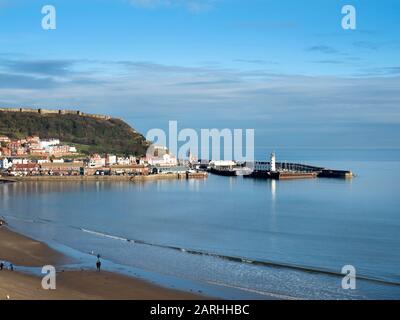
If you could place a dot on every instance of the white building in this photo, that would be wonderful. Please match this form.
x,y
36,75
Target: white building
x,y
123,161
41,161
4,139
157,150
97,161
111,159
45,144
5,163
20,161
132,160
58,161
164,160
222,164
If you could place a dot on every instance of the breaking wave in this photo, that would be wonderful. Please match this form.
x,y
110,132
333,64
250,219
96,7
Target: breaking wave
x,y
236,259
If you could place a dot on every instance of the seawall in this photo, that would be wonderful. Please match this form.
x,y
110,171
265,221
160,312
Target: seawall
x,y
105,178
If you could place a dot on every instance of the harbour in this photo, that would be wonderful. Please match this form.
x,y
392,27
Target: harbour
x,y
283,246
275,170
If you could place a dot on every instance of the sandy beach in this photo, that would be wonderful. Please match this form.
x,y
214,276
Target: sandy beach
x,y
75,284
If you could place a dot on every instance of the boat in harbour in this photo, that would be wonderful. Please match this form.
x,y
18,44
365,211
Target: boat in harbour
x,y
228,168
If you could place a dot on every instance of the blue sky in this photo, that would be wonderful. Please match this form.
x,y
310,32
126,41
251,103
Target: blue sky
x,y
285,68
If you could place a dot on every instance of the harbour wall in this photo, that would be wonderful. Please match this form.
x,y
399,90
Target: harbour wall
x,y
152,177
288,170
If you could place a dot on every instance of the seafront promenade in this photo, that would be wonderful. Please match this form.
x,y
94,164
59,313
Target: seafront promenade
x,y
152,177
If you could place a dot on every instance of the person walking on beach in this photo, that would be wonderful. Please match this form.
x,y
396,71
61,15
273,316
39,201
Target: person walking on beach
x,y
1,266
11,267
98,263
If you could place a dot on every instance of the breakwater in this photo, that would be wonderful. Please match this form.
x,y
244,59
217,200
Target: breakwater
x,y
290,170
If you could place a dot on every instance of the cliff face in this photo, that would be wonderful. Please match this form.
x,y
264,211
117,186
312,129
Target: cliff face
x,y
91,133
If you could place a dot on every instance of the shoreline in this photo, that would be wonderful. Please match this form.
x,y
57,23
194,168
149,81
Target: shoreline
x,y
72,284
152,177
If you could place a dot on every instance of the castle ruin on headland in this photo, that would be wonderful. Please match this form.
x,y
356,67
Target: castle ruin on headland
x,y
54,111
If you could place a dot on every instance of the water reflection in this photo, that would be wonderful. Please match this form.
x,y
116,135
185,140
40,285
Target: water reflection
x,y
273,191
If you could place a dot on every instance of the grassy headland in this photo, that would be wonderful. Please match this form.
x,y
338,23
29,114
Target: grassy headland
x,y
89,134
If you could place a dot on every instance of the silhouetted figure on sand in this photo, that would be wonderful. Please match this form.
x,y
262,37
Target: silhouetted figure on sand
x,y
98,263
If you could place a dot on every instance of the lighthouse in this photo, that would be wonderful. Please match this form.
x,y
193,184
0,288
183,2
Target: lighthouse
x,y
273,162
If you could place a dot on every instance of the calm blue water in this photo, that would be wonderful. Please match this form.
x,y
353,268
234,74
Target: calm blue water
x,y
318,225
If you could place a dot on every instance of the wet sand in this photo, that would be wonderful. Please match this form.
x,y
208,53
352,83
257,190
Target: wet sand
x,y
76,284
24,251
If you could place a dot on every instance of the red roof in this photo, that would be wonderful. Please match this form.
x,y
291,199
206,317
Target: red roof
x,y
25,166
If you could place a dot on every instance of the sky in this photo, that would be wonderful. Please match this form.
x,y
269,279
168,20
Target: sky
x,y
285,68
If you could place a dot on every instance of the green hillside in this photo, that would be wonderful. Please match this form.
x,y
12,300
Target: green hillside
x,y
91,135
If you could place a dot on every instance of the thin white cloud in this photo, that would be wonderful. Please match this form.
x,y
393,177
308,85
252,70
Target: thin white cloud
x,y
169,90
149,94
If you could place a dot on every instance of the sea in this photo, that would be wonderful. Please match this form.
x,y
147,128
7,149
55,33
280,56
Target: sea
x,y
232,237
